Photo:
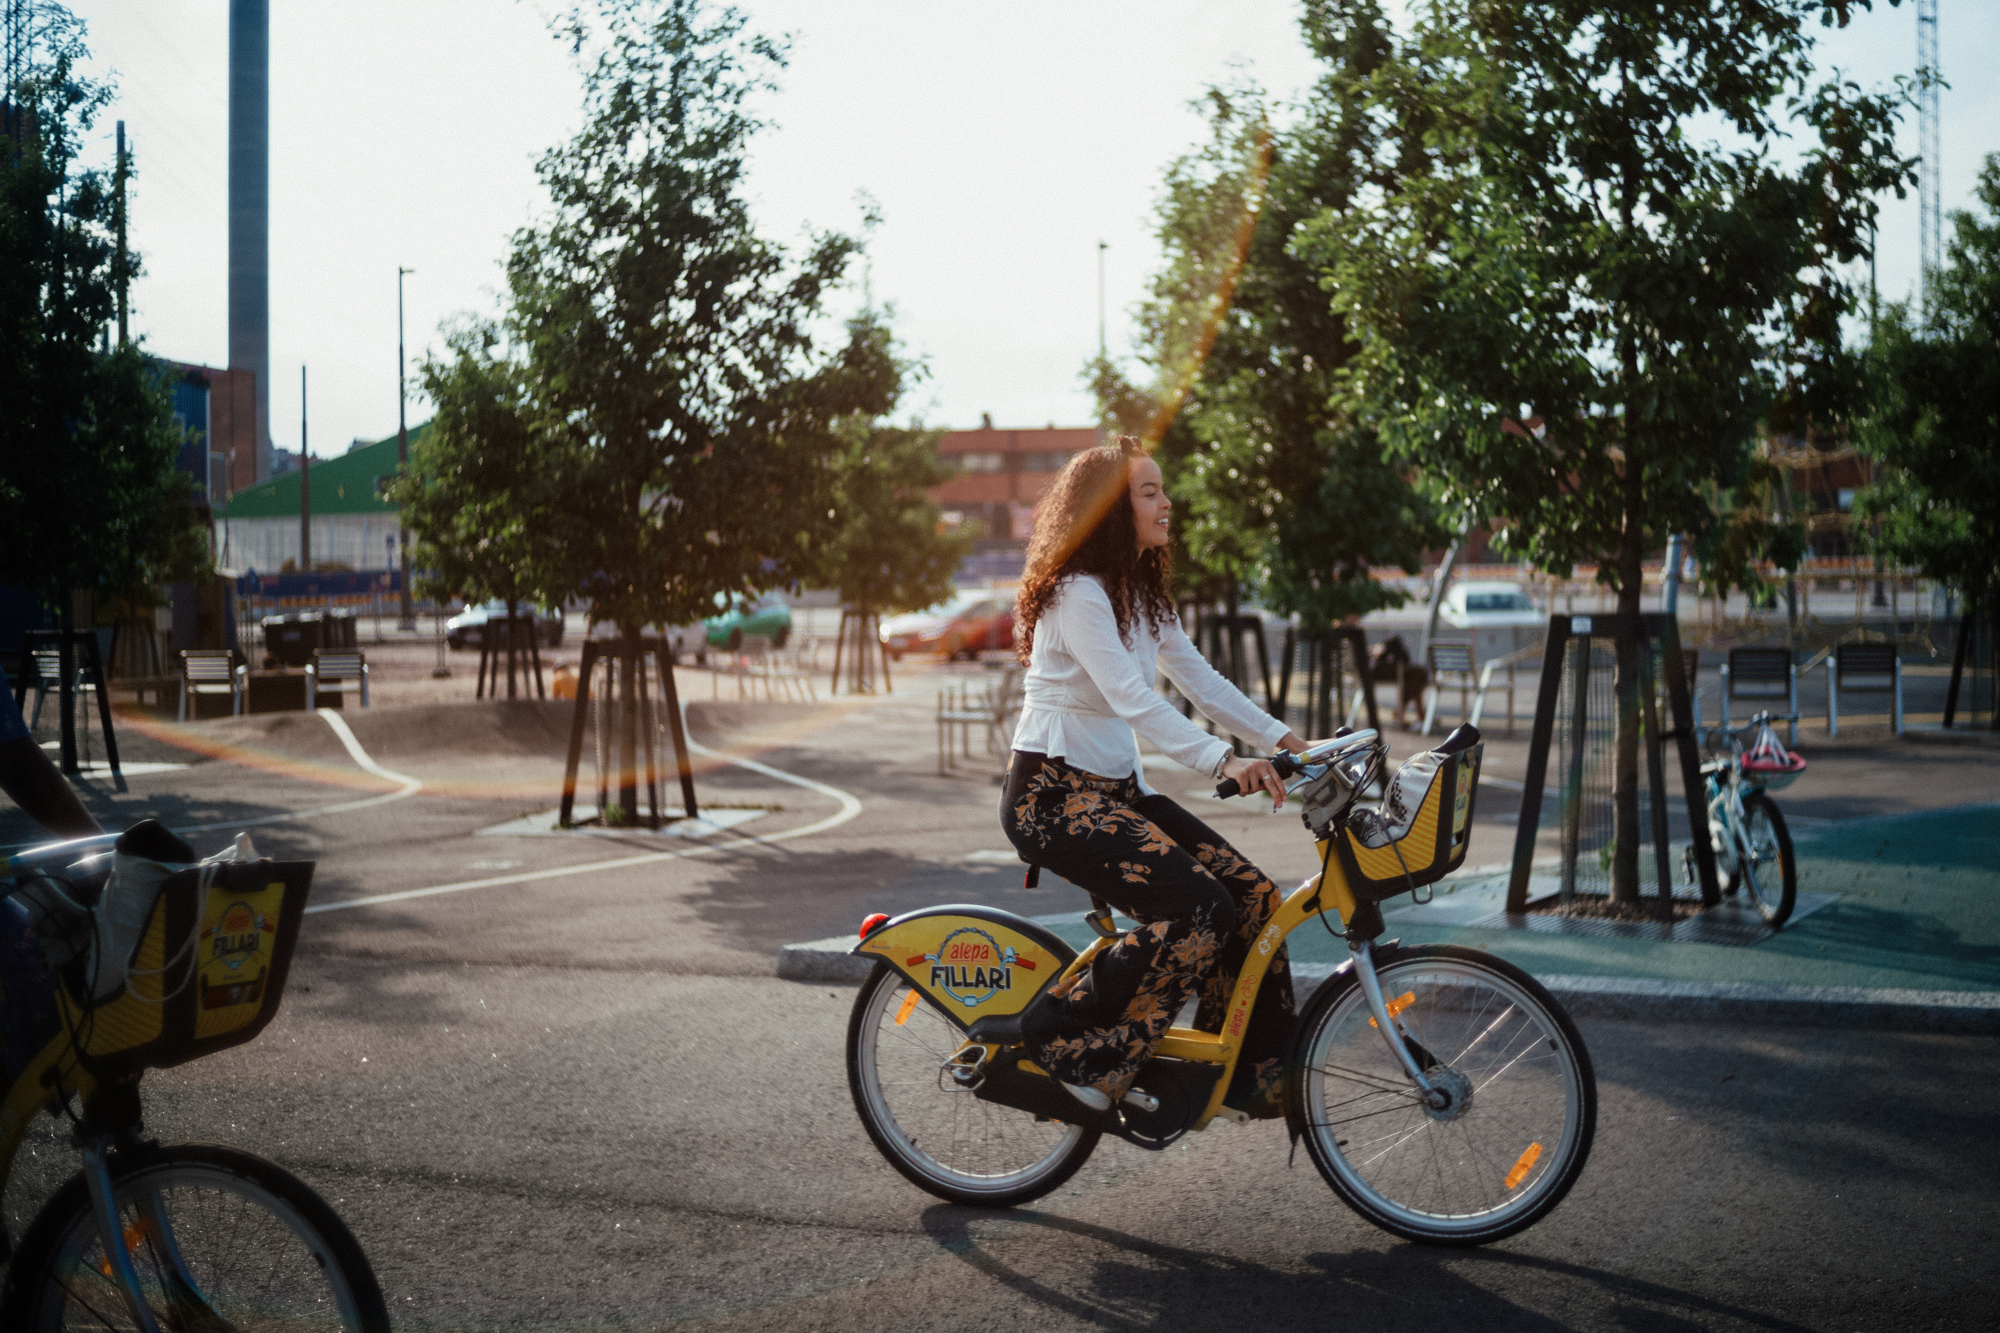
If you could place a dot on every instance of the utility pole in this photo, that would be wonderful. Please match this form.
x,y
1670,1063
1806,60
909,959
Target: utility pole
x,y
1930,222
1102,246
122,271
305,485
407,619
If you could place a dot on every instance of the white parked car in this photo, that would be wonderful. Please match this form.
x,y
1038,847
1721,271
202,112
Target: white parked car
x,y
1498,618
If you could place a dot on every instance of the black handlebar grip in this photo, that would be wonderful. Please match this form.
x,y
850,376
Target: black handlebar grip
x,y
1227,788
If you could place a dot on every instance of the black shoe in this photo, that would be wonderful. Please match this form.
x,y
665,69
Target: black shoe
x,y
998,1030
1006,1029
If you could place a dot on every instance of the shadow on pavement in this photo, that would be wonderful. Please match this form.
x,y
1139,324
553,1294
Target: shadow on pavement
x,y
1136,1283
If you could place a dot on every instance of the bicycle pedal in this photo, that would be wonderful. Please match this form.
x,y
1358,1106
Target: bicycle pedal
x,y
1142,1101
967,1066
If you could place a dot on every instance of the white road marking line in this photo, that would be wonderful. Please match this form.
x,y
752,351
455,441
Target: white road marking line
x,y
411,786
850,806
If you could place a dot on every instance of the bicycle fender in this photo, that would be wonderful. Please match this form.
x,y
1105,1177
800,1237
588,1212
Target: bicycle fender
x,y
970,961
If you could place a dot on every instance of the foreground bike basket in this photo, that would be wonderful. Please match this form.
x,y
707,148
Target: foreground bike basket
x,y
190,1236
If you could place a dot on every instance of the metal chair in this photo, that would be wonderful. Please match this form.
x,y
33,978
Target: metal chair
x,y
336,671
1864,668
212,671
1457,666
1760,674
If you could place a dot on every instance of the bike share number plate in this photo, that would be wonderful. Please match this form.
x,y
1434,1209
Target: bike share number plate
x,y
236,933
972,966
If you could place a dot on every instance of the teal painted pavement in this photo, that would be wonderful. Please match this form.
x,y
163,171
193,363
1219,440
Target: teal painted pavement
x,y
1918,907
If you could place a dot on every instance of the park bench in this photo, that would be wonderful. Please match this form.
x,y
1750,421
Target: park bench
x,y
211,671
1864,668
992,709
1456,666
336,671
1760,675
46,678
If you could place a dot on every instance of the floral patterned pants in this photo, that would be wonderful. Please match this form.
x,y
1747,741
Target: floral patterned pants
x,y
1199,905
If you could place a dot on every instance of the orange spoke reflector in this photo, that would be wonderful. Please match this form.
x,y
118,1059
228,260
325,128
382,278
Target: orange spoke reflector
x,y
908,1007
135,1233
1522,1167
1397,1005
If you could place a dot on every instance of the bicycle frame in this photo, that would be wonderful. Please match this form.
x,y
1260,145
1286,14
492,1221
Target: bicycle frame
x,y
1725,802
1325,891
35,1089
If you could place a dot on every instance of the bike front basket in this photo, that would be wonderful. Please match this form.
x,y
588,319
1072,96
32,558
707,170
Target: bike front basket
x,y
1422,830
207,973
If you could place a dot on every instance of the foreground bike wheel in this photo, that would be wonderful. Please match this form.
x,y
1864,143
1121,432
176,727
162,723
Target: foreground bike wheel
x,y
1773,876
943,1138
1524,1105
220,1240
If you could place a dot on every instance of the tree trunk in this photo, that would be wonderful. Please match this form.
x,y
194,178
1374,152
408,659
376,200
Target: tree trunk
x,y
66,682
513,609
1631,549
628,727
1625,690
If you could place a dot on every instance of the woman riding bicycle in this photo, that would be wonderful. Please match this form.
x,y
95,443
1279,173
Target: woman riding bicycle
x,y
1093,623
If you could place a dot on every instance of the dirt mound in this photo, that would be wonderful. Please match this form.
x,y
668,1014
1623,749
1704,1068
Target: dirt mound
x,y
493,728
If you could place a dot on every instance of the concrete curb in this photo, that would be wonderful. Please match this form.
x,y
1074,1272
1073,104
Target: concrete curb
x,y
827,962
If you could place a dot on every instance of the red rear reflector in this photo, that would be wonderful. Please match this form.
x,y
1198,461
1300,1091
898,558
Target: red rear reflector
x,y
873,921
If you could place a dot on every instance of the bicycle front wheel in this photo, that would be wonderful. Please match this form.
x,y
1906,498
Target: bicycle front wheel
x,y
220,1239
940,1136
1523,1109
1770,873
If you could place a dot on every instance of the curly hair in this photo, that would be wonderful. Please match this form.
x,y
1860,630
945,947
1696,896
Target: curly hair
x,y
1085,526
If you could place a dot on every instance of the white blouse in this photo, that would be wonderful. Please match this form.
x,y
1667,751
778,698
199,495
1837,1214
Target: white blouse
x,y
1086,694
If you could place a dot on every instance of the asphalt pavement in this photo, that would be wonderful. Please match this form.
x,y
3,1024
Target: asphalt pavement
x,y
555,1082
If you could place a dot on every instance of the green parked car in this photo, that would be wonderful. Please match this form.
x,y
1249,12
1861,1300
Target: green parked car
x,y
767,615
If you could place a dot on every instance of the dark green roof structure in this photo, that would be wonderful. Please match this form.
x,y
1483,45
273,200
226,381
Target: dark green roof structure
x,y
349,484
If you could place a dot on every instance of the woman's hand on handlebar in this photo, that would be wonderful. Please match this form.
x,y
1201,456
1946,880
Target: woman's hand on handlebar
x,y
1256,775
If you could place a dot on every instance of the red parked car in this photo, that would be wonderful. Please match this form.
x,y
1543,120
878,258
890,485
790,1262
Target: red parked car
x,y
966,626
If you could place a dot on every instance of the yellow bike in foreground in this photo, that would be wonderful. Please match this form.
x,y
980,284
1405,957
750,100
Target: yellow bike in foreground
x,y
1442,1092
188,1238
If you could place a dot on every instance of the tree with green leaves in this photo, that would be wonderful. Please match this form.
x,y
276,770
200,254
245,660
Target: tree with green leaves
x,y
479,495
668,347
1931,416
888,550
90,498
1546,223
1284,495
680,418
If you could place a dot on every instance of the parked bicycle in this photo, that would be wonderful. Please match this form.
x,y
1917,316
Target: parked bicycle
x,y
1442,1092
189,1238
1753,848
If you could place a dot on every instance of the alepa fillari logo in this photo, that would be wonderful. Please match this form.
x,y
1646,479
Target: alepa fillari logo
x,y
237,936
972,967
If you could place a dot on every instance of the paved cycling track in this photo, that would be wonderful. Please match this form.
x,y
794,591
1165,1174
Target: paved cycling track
x,y
566,1098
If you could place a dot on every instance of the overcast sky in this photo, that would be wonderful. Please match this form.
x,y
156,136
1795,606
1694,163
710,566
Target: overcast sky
x,y
1003,142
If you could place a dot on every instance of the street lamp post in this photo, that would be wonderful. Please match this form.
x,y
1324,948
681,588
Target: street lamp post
x,y
407,620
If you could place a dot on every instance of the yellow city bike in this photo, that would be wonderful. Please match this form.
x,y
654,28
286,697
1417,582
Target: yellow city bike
x,y
189,1238
1442,1092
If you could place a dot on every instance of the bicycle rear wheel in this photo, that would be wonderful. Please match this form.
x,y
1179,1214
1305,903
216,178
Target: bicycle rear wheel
x,y
1524,1104
1771,874
219,1238
943,1138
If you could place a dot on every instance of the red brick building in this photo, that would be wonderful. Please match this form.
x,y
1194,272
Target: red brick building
x,y
1002,473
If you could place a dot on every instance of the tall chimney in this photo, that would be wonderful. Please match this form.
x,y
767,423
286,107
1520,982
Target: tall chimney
x,y
250,207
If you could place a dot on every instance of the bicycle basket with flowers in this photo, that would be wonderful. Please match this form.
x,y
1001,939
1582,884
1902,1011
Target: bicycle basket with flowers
x,y
1769,764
